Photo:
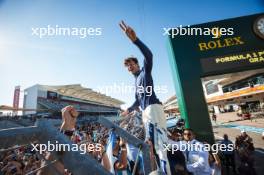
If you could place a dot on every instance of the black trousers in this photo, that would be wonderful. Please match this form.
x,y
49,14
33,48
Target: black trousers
x,y
229,160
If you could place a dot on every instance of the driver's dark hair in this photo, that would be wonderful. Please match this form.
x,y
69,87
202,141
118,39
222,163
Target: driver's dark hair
x,y
129,60
188,129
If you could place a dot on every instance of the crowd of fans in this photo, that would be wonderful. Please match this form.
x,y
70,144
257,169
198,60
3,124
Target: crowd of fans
x,y
22,160
219,163
240,160
245,151
19,160
91,133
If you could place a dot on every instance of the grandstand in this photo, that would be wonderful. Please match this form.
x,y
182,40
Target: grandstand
x,y
171,106
229,91
51,99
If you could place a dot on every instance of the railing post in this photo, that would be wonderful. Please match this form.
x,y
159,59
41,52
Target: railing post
x,y
44,131
76,162
131,140
19,136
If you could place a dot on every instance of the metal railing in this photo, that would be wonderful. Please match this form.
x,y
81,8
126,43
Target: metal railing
x,y
77,163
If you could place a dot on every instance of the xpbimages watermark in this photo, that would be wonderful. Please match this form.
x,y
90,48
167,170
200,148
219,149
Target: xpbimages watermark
x,y
51,31
183,147
122,88
82,148
215,32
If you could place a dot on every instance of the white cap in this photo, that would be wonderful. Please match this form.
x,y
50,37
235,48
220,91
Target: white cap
x,y
262,134
243,131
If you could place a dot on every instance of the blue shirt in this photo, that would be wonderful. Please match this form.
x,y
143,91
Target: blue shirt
x,y
229,145
145,94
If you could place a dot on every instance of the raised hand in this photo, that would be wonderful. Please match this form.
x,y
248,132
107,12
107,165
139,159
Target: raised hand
x,y
124,113
129,31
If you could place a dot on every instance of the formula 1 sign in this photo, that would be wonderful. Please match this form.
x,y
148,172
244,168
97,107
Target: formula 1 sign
x,y
195,56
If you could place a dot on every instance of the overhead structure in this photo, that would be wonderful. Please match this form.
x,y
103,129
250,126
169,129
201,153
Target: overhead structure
x,y
54,98
79,92
171,105
193,57
10,108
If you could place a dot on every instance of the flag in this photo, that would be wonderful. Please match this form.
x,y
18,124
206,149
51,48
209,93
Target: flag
x,y
109,150
135,155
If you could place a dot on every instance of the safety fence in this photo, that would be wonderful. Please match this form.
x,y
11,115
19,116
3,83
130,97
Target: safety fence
x,y
77,163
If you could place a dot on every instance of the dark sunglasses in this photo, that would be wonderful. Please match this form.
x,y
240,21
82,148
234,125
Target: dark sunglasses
x,y
188,134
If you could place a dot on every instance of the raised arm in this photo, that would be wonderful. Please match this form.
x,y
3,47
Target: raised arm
x,y
131,34
148,57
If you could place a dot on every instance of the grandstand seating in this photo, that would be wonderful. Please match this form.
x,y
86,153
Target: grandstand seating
x,y
56,105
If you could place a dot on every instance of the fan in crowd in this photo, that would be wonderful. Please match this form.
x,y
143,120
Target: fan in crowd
x,y
245,150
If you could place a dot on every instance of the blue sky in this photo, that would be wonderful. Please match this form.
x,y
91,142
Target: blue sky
x,y
95,62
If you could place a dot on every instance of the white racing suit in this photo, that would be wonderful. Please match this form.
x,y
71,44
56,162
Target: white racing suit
x,y
155,124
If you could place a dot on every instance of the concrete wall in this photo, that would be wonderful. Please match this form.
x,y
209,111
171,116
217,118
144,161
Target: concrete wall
x,y
219,92
30,99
